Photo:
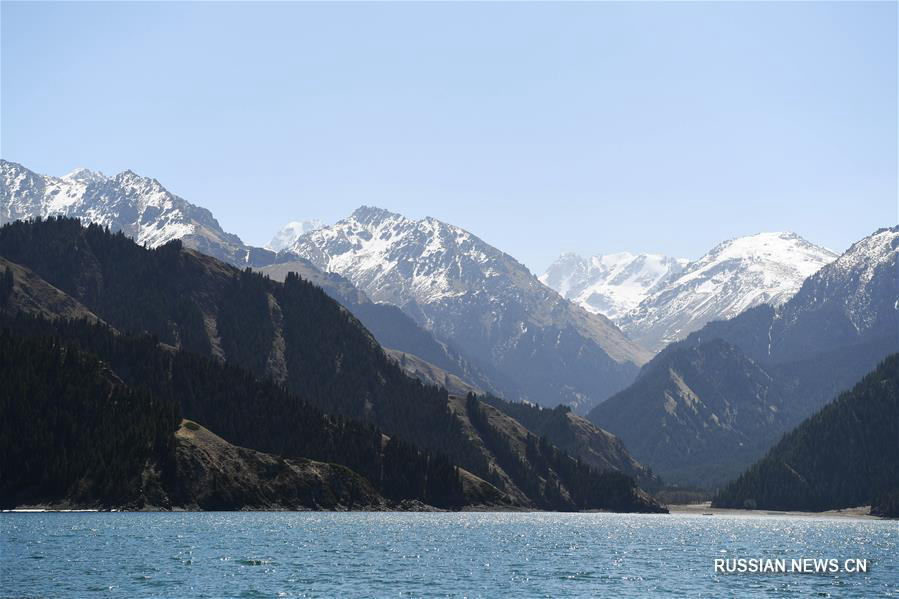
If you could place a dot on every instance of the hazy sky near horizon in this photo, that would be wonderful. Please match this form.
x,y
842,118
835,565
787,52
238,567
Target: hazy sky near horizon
x,y
542,128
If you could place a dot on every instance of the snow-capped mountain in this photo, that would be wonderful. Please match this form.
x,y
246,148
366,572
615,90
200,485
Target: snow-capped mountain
x,y
532,342
767,268
610,284
292,231
144,210
849,302
728,391
138,206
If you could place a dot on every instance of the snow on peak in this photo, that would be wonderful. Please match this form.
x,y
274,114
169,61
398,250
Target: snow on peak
x,y
864,280
766,268
85,175
610,284
394,258
138,206
292,231
372,214
456,285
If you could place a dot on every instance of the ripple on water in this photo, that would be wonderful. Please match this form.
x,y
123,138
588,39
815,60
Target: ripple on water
x,y
478,555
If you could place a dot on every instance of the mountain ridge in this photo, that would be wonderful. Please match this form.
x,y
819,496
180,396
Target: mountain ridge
x,y
657,300
138,206
610,284
480,300
290,333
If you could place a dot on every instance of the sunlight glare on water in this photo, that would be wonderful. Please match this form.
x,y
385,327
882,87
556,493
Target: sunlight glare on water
x,y
431,555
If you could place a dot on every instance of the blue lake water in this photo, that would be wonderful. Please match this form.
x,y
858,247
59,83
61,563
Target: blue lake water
x,y
431,555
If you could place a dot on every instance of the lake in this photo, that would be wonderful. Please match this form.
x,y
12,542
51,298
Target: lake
x,y
432,555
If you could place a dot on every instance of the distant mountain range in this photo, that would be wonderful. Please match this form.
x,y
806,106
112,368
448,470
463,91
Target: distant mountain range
x,y
531,343
749,340
704,408
657,300
612,284
138,206
141,208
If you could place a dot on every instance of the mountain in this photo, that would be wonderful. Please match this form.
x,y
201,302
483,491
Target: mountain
x,y
298,341
835,329
696,429
531,343
846,455
431,374
208,473
120,397
288,235
30,294
789,360
393,328
767,268
578,436
142,209
610,284
138,206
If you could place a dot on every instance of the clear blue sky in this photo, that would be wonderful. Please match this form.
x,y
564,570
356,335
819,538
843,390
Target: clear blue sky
x,y
542,128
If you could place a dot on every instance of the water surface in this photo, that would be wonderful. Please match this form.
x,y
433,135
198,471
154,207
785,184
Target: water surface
x,y
431,555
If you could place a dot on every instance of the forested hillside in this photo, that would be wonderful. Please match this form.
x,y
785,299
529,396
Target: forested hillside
x,y
543,471
70,428
845,455
290,338
103,404
576,435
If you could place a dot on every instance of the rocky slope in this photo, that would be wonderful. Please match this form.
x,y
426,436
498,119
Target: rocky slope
x,y
211,474
32,295
532,343
696,429
208,473
430,374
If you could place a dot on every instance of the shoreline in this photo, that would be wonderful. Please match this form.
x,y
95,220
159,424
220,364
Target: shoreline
x,y
692,509
705,509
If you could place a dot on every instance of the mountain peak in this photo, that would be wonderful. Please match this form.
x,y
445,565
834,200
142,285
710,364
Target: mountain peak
x,y
140,207
737,274
473,296
371,214
764,244
85,175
